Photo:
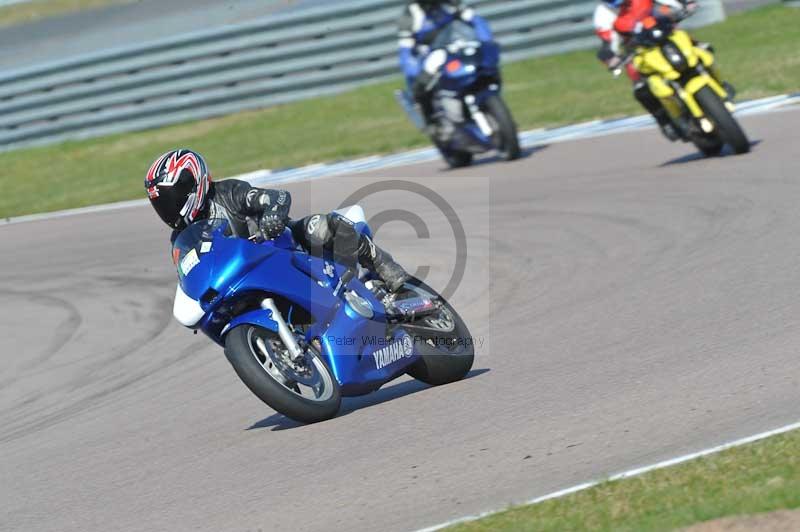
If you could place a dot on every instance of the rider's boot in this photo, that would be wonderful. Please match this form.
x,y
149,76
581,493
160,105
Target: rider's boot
x,y
427,111
645,97
374,258
666,124
424,99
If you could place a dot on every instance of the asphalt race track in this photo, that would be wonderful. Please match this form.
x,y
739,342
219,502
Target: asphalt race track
x,y
635,303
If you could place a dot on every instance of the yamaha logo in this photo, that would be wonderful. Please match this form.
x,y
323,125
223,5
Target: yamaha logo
x,y
390,354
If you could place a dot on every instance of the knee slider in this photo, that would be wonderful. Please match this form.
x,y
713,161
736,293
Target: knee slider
x,y
318,230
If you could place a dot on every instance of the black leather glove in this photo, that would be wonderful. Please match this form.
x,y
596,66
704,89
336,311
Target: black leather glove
x,y
605,53
271,225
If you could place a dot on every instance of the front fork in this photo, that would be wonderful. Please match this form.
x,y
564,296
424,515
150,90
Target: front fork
x,y
285,333
676,97
478,115
296,351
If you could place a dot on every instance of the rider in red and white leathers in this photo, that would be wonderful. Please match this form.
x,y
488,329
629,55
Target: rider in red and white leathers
x,y
605,14
631,12
609,18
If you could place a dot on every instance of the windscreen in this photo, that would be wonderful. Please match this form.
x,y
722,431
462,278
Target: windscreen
x,y
193,242
458,30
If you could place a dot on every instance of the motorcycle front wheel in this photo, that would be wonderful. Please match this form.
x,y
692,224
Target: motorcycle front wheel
x,y
506,130
305,391
454,158
727,126
709,145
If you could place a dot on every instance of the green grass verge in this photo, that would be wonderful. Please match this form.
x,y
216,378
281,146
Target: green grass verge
x,y
757,52
759,477
39,9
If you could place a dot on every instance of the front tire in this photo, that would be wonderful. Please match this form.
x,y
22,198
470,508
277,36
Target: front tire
x,y
256,356
709,145
727,126
507,137
446,347
454,158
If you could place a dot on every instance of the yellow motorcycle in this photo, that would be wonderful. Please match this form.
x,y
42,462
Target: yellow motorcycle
x,y
682,75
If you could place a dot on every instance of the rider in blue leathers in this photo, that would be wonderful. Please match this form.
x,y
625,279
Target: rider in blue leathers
x,y
419,25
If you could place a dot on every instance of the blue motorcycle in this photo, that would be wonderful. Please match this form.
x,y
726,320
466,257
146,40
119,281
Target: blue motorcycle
x,y
470,116
303,331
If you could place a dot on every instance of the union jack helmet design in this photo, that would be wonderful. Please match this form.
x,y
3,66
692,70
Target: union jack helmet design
x,y
178,185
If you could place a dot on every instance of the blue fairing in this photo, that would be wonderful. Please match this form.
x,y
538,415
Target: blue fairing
x,y
409,64
482,30
230,276
490,58
477,76
471,73
260,317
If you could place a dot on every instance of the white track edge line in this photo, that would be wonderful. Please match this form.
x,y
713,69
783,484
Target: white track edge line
x,y
530,139
624,474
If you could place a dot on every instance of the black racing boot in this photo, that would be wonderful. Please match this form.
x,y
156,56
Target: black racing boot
x,y
667,125
424,99
653,106
374,258
426,110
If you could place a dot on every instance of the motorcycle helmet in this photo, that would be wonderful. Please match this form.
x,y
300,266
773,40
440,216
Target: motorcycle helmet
x,y
178,185
431,4
672,9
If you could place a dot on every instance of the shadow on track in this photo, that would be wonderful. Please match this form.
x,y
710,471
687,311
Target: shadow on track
x,y
351,404
524,154
697,156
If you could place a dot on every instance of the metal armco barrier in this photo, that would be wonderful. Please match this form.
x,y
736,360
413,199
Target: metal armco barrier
x,y
257,64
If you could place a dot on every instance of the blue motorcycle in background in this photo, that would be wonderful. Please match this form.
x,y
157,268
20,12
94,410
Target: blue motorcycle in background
x,y
303,331
470,116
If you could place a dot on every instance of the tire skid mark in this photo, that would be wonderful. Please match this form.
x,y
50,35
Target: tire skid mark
x,y
93,375
96,400
63,332
92,366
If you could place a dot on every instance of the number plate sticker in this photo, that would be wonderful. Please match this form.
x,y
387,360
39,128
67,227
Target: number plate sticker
x,y
189,262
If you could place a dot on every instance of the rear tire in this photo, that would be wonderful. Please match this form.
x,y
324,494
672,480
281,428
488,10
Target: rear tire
x,y
729,129
440,365
507,130
242,355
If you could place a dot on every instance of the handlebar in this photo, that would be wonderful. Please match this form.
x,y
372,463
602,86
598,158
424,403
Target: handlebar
x,y
640,39
617,70
343,281
459,45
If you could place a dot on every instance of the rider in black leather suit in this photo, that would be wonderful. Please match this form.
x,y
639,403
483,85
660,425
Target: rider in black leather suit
x,y
181,191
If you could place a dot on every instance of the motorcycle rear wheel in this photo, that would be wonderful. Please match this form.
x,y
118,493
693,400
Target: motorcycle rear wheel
x,y
727,126
309,394
446,347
